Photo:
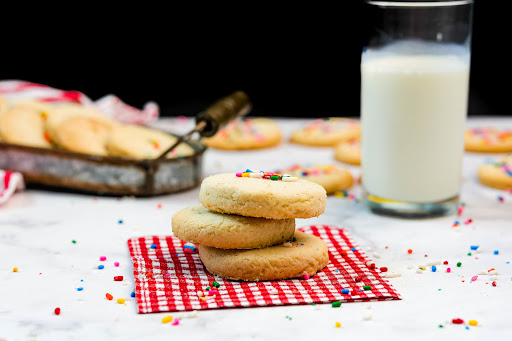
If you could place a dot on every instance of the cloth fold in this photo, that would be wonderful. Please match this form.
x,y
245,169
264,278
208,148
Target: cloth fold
x,y
9,183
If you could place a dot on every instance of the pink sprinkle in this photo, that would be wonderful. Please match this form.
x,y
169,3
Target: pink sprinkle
x,y
448,270
305,276
103,258
239,175
176,322
474,278
469,221
212,292
187,250
116,264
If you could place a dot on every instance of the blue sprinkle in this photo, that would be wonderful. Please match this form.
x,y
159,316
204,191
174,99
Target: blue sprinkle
x,y
153,246
133,294
294,239
120,221
248,170
496,252
353,249
80,289
474,247
345,291
101,267
434,268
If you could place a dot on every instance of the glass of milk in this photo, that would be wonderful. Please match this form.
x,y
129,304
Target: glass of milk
x,y
414,96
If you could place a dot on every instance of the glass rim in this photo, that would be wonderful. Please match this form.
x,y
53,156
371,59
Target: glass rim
x,y
392,3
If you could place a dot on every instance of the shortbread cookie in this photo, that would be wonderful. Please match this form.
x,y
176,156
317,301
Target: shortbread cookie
x,y
259,197
3,108
249,133
348,152
83,134
327,132
62,112
42,107
330,177
23,126
305,255
198,225
139,142
498,174
488,140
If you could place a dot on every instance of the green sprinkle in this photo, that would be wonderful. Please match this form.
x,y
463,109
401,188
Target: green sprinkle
x,y
459,264
274,177
207,288
313,304
367,287
73,241
336,304
469,253
441,326
215,284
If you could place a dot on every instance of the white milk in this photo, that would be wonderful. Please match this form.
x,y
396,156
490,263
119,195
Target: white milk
x,y
413,111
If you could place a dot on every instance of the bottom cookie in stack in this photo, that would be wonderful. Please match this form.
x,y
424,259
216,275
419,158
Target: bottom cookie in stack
x,y
248,248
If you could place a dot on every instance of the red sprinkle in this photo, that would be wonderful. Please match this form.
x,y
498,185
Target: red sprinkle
x,y
493,283
110,297
57,311
343,252
409,251
118,278
445,262
357,279
383,269
149,275
457,321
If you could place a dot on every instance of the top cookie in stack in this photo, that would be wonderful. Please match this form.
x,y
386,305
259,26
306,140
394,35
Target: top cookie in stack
x,y
245,227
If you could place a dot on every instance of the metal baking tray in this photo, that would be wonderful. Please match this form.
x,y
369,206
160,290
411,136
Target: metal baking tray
x,y
75,172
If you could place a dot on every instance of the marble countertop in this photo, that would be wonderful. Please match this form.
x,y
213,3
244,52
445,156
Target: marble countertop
x,y
56,239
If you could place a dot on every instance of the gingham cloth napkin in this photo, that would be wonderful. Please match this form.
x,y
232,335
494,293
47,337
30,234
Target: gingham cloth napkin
x,y
110,104
9,183
167,278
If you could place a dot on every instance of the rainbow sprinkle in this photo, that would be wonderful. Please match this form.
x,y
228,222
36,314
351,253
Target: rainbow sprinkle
x,y
267,176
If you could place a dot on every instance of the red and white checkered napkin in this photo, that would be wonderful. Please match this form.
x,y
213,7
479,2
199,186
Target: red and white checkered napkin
x,y
167,278
110,105
9,183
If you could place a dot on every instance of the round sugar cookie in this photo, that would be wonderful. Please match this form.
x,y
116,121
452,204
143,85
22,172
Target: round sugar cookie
x,y
306,254
498,174
198,225
327,132
330,177
23,126
488,140
248,133
348,152
139,142
62,112
41,106
257,197
83,134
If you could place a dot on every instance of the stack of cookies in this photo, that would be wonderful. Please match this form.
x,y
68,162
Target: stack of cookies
x,y
245,227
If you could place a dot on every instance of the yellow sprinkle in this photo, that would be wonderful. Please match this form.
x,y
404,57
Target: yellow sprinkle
x,y
15,269
246,175
473,322
120,300
167,319
338,325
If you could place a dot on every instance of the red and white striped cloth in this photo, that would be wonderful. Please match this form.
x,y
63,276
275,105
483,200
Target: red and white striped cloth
x,y
167,278
109,105
9,183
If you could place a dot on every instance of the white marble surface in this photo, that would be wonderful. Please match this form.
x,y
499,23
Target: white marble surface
x,y
37,229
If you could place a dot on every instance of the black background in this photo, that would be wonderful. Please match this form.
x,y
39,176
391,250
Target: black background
x,y
293,61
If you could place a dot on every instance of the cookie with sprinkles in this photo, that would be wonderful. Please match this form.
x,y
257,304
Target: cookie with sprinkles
x,y
331,177
302,256
139,142
488,140
82,134
327,132
497,174
23,126
198,225
248,133
263,194
348,152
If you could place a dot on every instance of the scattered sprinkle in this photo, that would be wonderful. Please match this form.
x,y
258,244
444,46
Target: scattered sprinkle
x,y
116,264
57,311
15,269
457,321
118,278
459,264
367,287
120,300
474,247
474,278
434,268
177,322
384,269
472,322
496,252
73,241
79,289
109,297
167,319
132,294
345,291
103,258
409,251
336,304
120,221
338,325
101,267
